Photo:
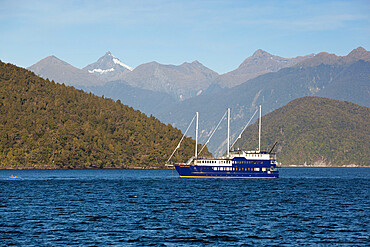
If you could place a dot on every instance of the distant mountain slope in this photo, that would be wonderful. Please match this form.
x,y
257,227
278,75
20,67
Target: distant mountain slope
x,y
182,81
55,69
273,90
314,131
352,84
259,63
149,102
108,68
48,125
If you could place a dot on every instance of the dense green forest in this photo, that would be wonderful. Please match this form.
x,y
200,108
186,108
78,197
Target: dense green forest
x,y
51,126
315,131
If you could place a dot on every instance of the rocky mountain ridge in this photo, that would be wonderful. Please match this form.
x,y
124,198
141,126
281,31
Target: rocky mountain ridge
x,y
183,81
53,68
331,59
261,62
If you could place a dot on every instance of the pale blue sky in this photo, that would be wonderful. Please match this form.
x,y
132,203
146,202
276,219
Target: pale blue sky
x,y
218,33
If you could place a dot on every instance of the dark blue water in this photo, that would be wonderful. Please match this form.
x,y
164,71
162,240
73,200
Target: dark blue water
x,y
306,206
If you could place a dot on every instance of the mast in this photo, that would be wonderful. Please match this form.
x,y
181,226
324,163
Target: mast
x,y
228,132
259,131
196,135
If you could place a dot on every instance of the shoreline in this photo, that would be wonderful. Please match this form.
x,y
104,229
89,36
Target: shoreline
x,y
156,168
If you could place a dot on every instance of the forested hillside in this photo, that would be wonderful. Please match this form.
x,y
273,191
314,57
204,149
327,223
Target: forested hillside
x,y
315,131
48,125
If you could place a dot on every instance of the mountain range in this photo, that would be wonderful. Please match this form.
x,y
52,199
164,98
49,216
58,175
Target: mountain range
x,y
174,92
342,78
180,81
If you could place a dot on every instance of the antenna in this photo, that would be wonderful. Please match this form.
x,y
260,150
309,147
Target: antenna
x,y
196,135
259,131
228,132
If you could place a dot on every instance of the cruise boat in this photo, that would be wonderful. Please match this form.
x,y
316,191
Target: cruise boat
x,y
235,164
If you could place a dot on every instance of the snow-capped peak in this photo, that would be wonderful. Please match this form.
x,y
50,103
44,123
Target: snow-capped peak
x,y
117,61
108,67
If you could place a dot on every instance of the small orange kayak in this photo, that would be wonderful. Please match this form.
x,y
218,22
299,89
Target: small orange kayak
x,y
14,176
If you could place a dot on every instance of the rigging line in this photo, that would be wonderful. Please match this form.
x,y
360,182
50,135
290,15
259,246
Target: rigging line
x,y
240,135
204,145
178,145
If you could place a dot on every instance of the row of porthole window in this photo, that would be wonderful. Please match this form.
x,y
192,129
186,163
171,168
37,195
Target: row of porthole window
x,y
256,155
248,162
213,161
234,169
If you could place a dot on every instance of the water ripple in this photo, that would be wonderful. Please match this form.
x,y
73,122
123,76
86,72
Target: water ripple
x,y
306,206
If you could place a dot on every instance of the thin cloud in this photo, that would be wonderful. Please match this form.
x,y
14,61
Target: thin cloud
x,y
317,23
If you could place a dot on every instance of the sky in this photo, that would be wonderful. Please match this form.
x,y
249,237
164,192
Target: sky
x,y
220,34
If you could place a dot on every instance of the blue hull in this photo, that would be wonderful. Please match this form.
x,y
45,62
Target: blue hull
x,y
195,171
